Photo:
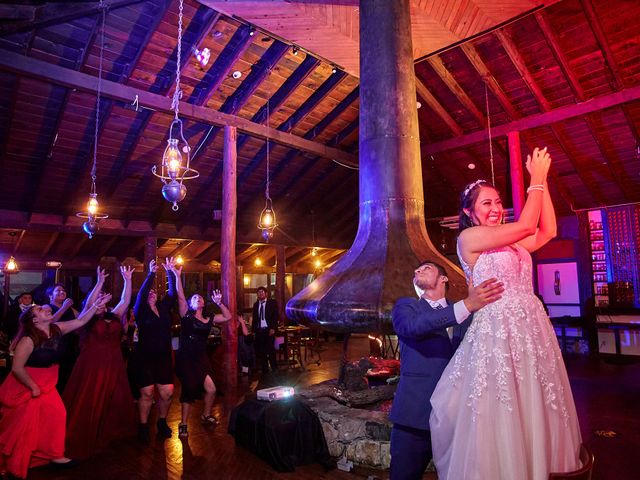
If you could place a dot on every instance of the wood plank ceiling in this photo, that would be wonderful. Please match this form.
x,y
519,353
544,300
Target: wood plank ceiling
x,y
565,75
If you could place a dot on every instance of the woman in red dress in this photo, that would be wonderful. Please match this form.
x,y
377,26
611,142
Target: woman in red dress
x,y
100,407
32,415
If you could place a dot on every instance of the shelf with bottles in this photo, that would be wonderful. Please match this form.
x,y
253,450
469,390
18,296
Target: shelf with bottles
x,y
597,244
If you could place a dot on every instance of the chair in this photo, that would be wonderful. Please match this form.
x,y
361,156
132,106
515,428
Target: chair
x,y
584,472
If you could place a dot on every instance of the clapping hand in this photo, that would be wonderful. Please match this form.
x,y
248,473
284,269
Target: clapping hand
x,y
126,272
538,164
216,296
102,300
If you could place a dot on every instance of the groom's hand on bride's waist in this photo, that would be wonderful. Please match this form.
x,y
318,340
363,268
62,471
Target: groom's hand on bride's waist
x,y
487,292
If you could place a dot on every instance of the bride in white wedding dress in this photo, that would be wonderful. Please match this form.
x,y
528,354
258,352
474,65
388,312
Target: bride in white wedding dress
x,y
503,408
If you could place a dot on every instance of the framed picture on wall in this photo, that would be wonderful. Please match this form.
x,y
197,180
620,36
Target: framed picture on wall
x,y
558,283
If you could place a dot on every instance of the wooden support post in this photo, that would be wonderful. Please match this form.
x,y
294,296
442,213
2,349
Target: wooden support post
x,y
280,282
517,177
7,291
228,252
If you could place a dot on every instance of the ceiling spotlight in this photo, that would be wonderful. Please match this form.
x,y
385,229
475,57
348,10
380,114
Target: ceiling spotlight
x,y
257,262
252,32
471,166
334,69
237,74
317,263
418,105
295,50
179,260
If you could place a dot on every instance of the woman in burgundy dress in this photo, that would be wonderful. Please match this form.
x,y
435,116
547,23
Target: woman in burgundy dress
x,y
193,367
32,415
100,407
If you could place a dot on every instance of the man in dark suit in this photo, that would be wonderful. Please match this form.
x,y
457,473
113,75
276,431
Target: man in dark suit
x,y
264,326
425,350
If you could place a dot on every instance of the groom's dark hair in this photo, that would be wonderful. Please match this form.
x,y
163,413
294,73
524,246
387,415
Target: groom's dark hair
x,y
440,268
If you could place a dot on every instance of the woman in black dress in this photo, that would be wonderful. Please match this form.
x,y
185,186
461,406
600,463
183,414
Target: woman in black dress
x,y
193,367
152,362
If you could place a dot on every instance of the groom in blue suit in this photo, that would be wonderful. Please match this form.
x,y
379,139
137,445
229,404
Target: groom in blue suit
x,y
426,346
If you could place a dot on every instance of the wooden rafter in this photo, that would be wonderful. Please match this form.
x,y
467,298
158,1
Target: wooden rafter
x,y
49,245
592,18
539,120
162,86
35,68
59,12
447,78
476,61
424,93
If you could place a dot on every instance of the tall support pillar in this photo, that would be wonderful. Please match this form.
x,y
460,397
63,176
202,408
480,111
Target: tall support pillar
x,y
228,251
516,173
280,281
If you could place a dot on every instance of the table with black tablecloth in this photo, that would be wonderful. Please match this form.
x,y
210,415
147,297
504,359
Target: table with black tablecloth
x,y
285,433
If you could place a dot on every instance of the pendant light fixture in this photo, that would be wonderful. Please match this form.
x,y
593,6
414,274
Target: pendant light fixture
x,y
267,222
175,168
92,213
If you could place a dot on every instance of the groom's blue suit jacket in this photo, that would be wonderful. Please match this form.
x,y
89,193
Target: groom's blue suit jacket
x,y
425,351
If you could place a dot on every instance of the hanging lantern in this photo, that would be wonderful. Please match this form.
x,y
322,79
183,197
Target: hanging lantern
x,y
11,266
92,214
267,221
174,169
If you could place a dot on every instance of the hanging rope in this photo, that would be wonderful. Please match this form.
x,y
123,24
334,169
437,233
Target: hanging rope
x,y
486,98
175,103
94,168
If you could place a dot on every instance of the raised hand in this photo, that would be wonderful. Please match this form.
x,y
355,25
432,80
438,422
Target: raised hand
x,y
126,272
487,292
102,274
216,296
102,300
538,164
169,264
153,268
177,270
67,303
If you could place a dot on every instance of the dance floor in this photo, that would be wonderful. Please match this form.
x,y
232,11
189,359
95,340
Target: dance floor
x,y
607,397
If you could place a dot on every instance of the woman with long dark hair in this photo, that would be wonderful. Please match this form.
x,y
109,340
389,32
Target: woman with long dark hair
x,y
193,367
32,415
98,399
503,407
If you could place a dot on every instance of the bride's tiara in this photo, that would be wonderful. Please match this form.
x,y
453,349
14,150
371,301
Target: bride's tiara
x,y
471,186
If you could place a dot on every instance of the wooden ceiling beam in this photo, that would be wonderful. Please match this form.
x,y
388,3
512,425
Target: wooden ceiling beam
x,y
204,20
106,246
56,13
73,253
30,197
49,245
615,168
424,93
539,120
601,38
199,251
63,76
447,78
204,253
474,58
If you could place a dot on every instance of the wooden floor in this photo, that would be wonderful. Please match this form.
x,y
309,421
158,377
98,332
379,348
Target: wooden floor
x,y
607,397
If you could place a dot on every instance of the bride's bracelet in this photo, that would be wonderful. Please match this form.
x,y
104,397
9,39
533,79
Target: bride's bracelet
x,y
539,187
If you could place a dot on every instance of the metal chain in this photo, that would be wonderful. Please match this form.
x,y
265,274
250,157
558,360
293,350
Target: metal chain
x,y
486,97
94,169
267,123
175,104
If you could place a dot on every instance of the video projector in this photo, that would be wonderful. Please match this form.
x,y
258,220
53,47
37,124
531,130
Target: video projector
x,y
275,393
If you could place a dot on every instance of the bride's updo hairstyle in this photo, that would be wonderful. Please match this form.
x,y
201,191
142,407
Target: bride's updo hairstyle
x,y
468,200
